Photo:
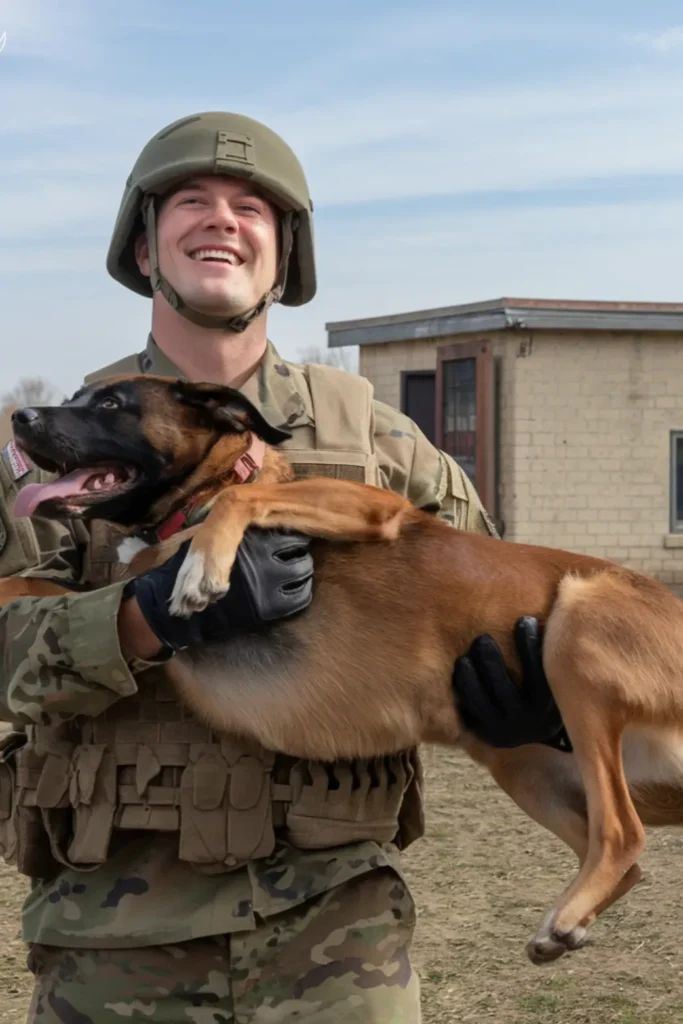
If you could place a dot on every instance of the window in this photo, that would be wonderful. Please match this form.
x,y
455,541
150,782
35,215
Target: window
x,y
460,413
466,421
418,398
676,481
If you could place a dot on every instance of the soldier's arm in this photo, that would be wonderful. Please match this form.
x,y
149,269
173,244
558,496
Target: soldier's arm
x,y
63,656
432,480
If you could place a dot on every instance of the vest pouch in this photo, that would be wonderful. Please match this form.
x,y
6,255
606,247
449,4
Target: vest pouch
x,y
411,818
10,745
92,795
43,813
347,802
34,856
226,814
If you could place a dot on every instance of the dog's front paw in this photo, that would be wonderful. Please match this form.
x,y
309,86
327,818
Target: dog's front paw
x,y
195,587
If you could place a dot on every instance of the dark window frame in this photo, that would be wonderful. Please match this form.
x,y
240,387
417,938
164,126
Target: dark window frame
x,y
675,524
485,397
405,374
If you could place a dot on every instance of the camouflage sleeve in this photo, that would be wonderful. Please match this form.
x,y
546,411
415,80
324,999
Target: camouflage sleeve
x,y
431,479
61,656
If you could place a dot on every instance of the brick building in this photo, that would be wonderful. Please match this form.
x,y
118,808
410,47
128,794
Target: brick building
x,y
568,416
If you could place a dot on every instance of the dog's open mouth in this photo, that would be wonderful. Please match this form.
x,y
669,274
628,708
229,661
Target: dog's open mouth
x,y
77,488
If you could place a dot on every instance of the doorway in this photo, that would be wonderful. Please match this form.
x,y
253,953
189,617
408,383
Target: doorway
x,y
418,400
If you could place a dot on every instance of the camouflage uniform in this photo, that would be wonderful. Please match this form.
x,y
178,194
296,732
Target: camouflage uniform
x,y
316,922
146,937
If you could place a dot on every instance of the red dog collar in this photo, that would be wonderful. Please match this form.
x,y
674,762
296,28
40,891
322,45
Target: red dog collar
x,y
245,469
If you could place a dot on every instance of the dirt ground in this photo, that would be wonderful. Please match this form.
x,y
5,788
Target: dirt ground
x,y
482,879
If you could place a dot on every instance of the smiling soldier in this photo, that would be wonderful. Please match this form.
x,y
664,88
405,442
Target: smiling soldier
x,y
177,874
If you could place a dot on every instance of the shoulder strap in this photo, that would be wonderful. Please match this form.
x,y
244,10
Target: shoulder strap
x,y
342,409
129,364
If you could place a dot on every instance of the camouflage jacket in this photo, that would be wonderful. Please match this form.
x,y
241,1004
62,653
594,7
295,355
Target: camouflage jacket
x,y
61,658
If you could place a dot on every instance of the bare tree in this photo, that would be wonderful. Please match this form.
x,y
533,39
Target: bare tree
x,y
344,358
31,391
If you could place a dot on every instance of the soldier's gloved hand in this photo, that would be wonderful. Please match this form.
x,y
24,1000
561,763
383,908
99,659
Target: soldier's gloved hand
x,y
272,579
494,708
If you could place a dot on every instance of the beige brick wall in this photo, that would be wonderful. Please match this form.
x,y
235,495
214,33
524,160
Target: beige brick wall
x,y
589,452
382,364
585,425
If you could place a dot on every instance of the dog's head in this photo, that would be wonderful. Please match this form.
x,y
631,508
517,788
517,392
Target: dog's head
x,y
120,445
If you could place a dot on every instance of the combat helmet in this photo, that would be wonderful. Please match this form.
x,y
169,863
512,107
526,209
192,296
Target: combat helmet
x,y
217,143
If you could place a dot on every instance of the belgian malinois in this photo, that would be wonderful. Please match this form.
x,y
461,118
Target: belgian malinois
x,y
367,669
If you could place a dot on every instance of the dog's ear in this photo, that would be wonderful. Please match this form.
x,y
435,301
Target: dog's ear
x,y
228,409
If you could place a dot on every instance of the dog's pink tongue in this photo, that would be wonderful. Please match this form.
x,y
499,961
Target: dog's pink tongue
x,y
30,496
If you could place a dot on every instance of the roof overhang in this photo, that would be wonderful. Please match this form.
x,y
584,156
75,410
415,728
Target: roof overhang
x,y
508,314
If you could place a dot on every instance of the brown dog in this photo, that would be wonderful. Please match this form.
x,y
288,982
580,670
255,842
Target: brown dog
x,y
366,669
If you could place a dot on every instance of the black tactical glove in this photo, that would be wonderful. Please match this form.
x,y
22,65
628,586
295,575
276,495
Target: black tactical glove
x,y
272,578
494,708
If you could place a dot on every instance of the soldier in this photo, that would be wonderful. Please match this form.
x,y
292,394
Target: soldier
x,y
177,874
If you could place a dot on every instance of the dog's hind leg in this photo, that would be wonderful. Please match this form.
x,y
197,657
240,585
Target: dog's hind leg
x,y
546,784
613,661
615,838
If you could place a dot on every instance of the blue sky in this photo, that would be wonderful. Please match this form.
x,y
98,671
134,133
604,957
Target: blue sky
x,y
453,155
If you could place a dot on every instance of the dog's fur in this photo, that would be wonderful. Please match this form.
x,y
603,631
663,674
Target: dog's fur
x,y
367,669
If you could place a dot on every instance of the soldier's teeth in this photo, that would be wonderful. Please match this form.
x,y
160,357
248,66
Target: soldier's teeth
x,y
213,254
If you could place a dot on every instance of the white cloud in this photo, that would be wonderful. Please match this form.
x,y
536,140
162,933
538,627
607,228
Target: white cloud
x,y
409,39
399,144
61,32
664,41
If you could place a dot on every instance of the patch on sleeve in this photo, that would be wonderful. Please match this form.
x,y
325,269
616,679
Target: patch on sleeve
x,y
16,460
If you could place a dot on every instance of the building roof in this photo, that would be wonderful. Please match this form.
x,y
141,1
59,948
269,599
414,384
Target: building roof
x,y
508,314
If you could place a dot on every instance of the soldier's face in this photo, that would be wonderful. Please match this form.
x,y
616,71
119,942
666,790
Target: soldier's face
x,y
217,241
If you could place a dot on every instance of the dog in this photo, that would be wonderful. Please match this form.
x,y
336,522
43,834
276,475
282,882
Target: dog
x,y
399,595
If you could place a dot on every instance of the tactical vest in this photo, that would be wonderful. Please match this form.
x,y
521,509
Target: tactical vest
x,y
146,764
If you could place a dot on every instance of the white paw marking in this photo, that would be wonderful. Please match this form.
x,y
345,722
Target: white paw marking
x,y
187,593
129,548
193,590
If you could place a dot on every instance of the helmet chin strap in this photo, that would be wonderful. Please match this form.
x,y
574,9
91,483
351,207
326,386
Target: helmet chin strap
x,y
239,323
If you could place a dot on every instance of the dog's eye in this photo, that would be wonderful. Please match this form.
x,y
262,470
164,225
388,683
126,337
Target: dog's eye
x,y
109,403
